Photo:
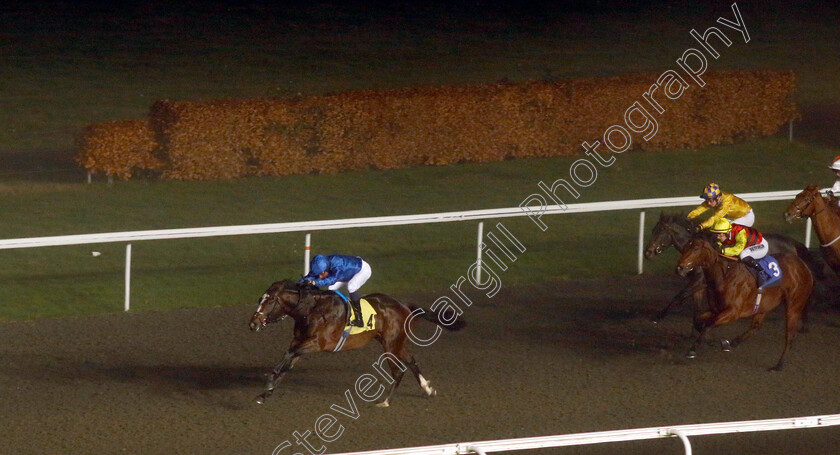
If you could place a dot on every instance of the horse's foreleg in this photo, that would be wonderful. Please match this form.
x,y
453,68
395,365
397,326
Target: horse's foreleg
x,y
693,289
277,374
692,351
287,363
702,322
664,312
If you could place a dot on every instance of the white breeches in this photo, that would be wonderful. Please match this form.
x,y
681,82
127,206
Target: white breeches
x,y
356,282
757,251
747,220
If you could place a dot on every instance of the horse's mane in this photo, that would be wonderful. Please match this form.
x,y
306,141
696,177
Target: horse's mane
x,y
296,285
679,220
688,225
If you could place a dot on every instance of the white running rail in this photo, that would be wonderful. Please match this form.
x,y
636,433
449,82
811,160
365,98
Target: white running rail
x,y
681,431
472,215
443,217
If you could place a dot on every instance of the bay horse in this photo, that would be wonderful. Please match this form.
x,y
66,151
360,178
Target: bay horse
x,y
737,292
676,231
320,318
810,203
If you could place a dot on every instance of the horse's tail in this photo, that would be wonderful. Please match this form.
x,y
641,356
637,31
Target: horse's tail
x,y
434,317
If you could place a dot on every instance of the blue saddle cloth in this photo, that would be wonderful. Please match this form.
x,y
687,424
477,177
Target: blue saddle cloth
x,y
772,270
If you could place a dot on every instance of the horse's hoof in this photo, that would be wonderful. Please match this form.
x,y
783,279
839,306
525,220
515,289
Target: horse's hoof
x,y
384,404
725,345
260,398
691,355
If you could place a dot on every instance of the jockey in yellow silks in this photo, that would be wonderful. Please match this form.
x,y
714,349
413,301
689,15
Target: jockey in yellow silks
x,y
725,205
746,243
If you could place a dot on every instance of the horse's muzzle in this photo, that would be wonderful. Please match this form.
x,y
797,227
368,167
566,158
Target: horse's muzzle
x,y
651,253
257,322
790,217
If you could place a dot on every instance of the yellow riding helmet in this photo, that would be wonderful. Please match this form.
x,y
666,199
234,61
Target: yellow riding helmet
x,y
722,226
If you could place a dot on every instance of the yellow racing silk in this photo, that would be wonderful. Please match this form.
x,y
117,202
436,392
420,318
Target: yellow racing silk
x,y
735,249
731,207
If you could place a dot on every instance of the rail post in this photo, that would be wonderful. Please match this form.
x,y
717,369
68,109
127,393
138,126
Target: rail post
x,y
127,277
641,240
480,243
306,250
808,232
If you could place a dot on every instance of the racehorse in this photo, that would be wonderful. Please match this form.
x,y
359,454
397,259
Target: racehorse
x,y
676,231
737,292
320,319
809,203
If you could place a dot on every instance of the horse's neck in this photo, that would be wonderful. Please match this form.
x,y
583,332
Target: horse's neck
x,y
717,272
681,244
324,303
680,236
826,222
304,307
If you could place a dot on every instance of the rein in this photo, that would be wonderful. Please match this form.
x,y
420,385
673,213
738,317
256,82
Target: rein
x,y
817,212
830,243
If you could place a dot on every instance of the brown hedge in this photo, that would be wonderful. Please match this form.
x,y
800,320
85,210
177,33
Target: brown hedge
x,y
117,148
444,125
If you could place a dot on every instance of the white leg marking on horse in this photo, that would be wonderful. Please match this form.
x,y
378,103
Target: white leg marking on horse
x,y
384,404
425,385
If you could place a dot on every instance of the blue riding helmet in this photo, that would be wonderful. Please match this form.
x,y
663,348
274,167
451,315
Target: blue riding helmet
x,y
319,264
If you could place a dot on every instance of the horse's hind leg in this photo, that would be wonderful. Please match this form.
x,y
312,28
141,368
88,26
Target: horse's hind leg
x,y
424,384
793,312
397,371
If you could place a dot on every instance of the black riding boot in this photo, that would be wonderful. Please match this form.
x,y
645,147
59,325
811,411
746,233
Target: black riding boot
x,y
357,309
760,276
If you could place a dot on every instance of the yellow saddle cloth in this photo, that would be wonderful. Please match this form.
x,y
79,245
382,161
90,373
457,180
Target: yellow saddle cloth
x,y
368,316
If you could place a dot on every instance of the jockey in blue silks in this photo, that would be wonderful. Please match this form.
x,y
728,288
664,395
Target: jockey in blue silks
x,y
337,270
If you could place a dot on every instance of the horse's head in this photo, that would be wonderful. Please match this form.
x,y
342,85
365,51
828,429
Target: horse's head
x,y
279,300
669,231
698,253
806,203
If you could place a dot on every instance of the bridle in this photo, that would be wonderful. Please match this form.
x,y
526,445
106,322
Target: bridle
x,y
274,300
671,235
705,249
262,311
809,203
